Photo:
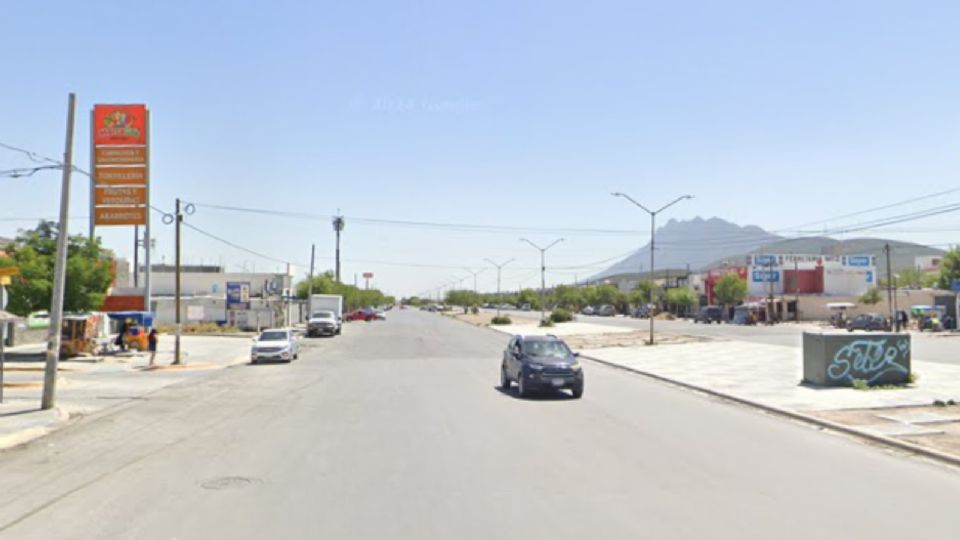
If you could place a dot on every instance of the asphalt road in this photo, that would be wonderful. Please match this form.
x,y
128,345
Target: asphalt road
x,y
398,430
942,348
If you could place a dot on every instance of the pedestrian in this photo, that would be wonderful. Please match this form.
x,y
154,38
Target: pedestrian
x,y
152,344
122,332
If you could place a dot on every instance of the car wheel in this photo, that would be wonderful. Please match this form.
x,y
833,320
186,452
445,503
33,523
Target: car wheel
x,y
504,379
577,391
522,390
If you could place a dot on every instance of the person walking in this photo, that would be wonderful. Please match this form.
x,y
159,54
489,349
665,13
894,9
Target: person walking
x,y
152,345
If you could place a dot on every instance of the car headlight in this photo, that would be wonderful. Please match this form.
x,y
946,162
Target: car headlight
x,y
575,366
535,367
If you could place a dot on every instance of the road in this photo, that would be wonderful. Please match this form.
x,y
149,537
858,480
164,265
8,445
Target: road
x,y
398,430
942,348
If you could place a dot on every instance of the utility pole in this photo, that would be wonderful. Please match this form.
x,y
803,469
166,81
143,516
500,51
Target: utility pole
x,y
499,267
796,289
338,224
653,229
176,343
313,249
893,313
543,274
136,258
60,269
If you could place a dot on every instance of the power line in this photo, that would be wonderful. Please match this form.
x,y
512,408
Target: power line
x,y
463,227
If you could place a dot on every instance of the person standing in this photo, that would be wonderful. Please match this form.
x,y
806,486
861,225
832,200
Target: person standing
x,y
152,345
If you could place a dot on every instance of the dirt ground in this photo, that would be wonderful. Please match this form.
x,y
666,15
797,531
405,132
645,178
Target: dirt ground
x,y
947,436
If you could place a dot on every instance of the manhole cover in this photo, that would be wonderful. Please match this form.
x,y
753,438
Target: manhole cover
x,y
228,482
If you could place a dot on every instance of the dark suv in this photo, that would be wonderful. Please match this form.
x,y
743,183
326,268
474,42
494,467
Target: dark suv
x,y
538,363
869,321
709,314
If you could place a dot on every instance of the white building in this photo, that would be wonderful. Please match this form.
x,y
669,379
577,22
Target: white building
x,y
830,275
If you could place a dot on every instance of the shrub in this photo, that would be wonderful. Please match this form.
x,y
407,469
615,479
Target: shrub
x,y
560,315
546,323
501,320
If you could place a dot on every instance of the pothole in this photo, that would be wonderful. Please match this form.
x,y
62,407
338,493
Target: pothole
x,y
229,482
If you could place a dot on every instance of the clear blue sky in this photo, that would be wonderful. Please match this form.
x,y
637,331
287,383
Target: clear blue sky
x,y
493,112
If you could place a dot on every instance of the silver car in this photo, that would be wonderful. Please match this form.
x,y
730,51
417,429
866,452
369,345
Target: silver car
x,y
275,344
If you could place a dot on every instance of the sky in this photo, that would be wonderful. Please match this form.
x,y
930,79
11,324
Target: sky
x,y
521,115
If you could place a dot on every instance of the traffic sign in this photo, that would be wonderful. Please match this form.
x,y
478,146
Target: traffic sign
x,y
955,286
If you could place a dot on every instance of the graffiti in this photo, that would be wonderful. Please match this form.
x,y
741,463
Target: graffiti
x,y
869,359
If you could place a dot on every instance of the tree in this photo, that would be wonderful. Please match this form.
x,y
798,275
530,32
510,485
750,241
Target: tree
x,y
353,297
641,294
529,296
871,297
89,271
949,269
730,290
681,298
463,298
567,297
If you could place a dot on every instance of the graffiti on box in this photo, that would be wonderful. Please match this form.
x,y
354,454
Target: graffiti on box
x,y
869,359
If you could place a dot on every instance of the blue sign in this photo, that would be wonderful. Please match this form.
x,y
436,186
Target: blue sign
x,y
238,295
955,286
869,277
764,260
766,276
860,260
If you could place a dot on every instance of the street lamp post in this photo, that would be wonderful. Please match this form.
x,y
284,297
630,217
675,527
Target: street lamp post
x,y
543,274
499,268
653,228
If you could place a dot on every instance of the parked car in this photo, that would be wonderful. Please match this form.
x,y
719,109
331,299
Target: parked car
x,y
539,363
525,307
868,322
279,344
588,310
360,315
379,315
641,312
709,314
606,310
323,323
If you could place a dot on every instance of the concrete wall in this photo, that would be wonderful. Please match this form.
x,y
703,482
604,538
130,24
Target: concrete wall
x,y
839,359
215,283
814,307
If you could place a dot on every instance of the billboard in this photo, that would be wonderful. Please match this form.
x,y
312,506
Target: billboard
x,y
368,275
119,137
238,295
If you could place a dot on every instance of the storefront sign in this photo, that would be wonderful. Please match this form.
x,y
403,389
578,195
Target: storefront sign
x,y
121,196
120,125
120,215
238,295
120,155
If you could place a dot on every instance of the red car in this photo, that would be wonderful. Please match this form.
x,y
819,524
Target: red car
x,y
361,315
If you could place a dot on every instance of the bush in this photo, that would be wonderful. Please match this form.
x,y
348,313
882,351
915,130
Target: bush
x,y
560,315
546,323
501,320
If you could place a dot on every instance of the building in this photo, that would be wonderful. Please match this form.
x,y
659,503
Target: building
x,y
928,264
828,275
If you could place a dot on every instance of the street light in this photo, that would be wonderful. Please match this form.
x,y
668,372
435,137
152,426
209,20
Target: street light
x,y
653,228
475,274
543,274
499,267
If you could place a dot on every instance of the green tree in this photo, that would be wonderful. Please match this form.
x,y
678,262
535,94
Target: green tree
x,y
567,297
641,294
529,296
89,271
871,297
730,290
949,268
353,297
681,299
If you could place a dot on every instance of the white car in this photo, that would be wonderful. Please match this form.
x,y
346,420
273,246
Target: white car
x,y
279,344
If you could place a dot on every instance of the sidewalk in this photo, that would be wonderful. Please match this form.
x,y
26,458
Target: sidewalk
x,y
89,385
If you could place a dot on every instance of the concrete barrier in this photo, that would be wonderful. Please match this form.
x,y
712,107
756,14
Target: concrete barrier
x,y
839,359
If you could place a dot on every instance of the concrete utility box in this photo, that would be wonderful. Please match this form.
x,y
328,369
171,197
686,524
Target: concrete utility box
x,y
838,359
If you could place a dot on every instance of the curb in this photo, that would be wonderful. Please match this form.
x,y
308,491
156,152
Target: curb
x,y
29,434
807,419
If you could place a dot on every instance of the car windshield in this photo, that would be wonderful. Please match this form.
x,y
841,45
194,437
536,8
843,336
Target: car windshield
x,y
276,335
555,349
323,315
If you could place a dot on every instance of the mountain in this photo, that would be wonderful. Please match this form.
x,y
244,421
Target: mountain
x,y
710,243
697,242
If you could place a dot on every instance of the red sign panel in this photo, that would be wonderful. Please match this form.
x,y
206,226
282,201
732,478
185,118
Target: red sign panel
x,y
367,275
120,124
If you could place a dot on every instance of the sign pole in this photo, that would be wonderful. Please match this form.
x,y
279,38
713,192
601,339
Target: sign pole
x,y
147,284
176,347
60,269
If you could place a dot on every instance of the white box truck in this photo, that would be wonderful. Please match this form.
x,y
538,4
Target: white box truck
x,y
326,315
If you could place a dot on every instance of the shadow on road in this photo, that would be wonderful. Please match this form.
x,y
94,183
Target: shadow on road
x,y
540,395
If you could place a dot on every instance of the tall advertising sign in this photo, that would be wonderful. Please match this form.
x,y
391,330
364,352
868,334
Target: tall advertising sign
x,y
121,172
